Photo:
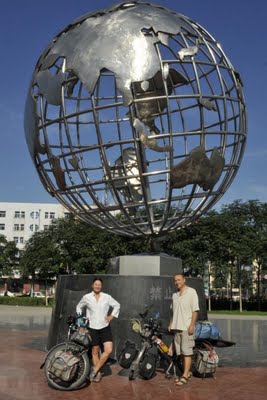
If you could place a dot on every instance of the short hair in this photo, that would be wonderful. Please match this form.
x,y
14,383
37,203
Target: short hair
x,y
180,273
97,278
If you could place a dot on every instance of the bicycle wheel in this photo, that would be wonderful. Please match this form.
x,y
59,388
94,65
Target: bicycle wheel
x,y
81,374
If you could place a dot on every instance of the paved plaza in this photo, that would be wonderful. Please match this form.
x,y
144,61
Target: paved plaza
x,y
241,374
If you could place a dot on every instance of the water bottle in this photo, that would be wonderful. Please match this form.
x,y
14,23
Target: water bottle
x,y
162,345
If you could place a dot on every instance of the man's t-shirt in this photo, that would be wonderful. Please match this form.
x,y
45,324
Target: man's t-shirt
x,y
183,305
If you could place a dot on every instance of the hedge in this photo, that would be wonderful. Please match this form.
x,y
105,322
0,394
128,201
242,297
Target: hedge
x,y
224,304
24,301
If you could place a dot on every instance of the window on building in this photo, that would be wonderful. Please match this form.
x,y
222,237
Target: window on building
x,y
34,214
66,215
16,227
46,215
46,227
2,227
19,214
2,214
52,215
16,239
34,227
22,227
21,240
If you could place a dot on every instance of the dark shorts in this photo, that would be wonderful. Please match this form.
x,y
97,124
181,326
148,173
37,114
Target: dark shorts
x,y
100,336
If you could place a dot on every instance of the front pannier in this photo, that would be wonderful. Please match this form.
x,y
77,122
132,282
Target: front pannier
x,y
148,365
127,355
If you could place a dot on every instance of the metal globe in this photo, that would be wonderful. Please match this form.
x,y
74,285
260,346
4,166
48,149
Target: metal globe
x,y
135,119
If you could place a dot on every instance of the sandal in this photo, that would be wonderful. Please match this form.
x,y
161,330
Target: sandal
x,y
98,377
92,375
188,378
182,381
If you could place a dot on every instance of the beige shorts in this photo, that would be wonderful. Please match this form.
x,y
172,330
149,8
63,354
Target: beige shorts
x,y
184,343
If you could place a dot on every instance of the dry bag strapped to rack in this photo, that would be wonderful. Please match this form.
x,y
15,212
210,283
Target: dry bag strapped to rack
x,y
127,355
206,360
206,330
64,365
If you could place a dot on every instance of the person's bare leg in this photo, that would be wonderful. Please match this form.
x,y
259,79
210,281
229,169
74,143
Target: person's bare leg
x,y
95,355
187,361
108,346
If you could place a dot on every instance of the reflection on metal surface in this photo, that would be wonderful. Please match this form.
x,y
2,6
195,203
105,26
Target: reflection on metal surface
x,y
209,105
189,51
153,104
133,60
196,168
126,166
131,110
151,143
58,172
74,162
50,86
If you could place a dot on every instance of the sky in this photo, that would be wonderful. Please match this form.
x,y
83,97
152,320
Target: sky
x,y
28,26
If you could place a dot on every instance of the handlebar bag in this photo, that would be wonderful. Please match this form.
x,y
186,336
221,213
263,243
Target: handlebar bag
x,y
82,337
64,365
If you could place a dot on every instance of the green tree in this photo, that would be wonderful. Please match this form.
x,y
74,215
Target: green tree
x,y
40,258
9,256
71,246
256,213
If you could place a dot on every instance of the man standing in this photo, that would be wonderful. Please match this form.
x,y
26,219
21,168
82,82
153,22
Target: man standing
x,y
185,309
97,306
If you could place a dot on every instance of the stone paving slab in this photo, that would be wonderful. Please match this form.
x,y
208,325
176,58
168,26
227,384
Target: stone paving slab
x,y
21,378
241,373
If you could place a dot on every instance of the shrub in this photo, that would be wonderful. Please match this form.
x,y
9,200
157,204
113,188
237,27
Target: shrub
x,y
24,301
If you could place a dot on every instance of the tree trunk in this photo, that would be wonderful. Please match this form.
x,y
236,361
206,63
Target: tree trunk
x,y
240,297
46,299
231,290
239,285
209,298
259,287
32,285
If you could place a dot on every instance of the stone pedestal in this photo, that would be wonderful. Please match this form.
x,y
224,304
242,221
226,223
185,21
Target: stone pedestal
x,y
145,264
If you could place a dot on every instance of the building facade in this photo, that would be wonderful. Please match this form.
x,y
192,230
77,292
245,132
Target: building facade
x,y
18,221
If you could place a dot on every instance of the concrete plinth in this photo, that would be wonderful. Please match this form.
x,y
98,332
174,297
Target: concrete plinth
x,y
145,264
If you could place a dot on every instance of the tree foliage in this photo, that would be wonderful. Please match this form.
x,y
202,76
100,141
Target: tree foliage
x,y
8,256
71,246
227,241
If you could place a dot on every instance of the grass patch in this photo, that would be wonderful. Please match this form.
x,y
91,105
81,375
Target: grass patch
x,y
237,312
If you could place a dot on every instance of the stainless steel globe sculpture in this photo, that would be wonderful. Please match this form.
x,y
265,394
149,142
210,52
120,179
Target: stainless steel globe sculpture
x,y
135,119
